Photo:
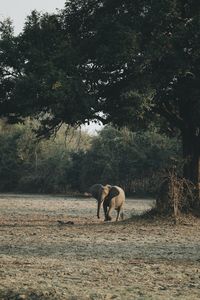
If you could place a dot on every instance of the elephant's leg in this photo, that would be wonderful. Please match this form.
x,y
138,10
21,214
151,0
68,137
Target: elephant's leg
x,y
109,218
105,208
122,214
111,207
118,212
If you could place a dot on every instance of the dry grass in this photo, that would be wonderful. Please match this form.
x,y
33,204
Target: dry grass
x,y
131,259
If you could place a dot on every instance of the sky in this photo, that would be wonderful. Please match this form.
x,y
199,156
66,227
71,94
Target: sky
x,y
18,10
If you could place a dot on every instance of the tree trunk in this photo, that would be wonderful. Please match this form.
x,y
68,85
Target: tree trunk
x,y
191,156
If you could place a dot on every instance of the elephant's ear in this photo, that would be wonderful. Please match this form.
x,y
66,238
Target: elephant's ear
x,y
96,190
113,192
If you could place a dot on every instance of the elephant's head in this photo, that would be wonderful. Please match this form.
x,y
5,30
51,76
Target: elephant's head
x,y
103,193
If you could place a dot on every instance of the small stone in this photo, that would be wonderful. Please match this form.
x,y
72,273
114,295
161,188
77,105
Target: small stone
x,y
22,297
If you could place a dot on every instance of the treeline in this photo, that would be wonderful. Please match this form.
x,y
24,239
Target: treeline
x,y
73,160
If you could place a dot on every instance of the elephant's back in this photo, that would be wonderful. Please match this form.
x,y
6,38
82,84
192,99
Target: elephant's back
x,y
120,199
121,191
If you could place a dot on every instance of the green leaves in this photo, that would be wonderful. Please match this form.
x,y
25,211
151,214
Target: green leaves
x,y
138,54
39,75
128,159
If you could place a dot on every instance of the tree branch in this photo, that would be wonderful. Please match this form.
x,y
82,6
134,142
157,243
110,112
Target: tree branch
x,y
173,118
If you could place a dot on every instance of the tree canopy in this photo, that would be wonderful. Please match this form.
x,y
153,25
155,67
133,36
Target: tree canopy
x,y
39,75
134,61
144,59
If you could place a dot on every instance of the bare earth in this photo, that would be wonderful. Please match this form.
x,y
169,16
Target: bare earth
x,y
90,259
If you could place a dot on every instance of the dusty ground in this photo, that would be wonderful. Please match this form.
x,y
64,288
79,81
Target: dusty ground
x,y
139,259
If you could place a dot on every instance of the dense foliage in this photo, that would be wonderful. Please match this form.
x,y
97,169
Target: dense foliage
x,y
39,75
133,63
143,59
73,162
29,165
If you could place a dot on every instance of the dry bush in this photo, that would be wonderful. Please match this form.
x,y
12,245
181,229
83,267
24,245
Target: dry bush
x,y
176,195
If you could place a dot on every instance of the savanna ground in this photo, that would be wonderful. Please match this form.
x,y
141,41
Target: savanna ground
x,y
90,259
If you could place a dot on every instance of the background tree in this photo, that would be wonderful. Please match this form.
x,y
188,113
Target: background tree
x,y
72,163
10,162
132,160
40,166
143,59
39,75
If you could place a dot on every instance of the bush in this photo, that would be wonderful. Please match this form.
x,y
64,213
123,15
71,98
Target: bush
x,y
75,161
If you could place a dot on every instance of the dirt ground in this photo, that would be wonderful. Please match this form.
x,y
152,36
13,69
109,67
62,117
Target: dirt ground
x,y
90,259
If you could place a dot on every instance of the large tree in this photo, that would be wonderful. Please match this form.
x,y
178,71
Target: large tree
x,y
133,60
39,75
143,61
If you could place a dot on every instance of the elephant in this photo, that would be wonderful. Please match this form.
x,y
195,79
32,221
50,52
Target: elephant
x,y
112,197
